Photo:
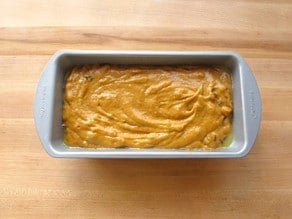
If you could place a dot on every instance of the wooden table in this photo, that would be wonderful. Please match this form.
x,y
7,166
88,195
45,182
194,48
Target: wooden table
x,y
34,185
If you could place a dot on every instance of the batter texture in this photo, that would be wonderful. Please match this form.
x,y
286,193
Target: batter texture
x,y
106,106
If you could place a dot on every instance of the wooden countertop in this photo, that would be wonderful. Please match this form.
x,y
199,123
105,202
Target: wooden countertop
x,y
34,185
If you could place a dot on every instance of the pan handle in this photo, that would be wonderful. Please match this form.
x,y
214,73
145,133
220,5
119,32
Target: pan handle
x,y
42,106
251,104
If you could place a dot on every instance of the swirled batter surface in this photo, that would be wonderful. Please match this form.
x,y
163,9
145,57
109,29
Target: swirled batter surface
x,y
147,106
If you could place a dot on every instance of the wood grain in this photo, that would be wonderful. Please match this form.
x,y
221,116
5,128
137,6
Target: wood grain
x,y
47,40
34,185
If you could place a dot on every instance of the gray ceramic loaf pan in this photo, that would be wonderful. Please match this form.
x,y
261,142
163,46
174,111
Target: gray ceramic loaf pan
x,y
49,94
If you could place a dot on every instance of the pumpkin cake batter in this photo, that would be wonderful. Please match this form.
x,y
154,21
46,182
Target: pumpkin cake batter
x,y
108,106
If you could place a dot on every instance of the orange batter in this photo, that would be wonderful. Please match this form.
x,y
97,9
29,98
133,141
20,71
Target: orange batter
x,y
147,106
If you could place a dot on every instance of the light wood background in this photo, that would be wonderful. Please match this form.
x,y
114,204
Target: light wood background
x,y
34,185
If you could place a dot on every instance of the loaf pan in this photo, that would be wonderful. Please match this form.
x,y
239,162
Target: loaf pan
x,y
49,95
